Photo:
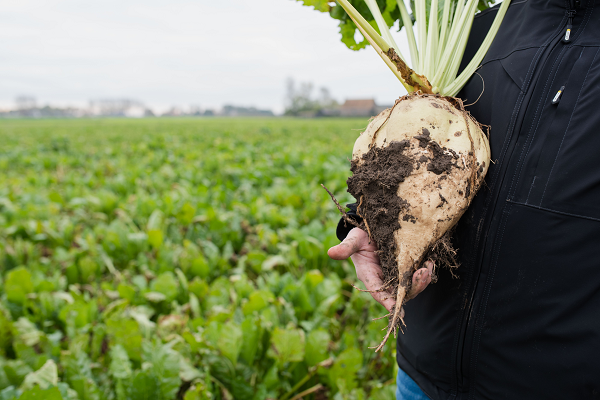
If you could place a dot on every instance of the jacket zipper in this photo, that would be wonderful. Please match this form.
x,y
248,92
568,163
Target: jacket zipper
x,y
558,94
570,13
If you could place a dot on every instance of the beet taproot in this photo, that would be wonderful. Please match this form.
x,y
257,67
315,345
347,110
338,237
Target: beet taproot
x,y
415,170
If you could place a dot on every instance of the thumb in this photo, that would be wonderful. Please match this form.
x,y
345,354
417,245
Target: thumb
x,y
349,246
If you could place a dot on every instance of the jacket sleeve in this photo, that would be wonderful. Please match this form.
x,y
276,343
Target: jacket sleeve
x,y
344,227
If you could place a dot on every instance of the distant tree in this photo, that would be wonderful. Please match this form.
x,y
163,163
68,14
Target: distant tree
x,y
325,99
25,102
299,100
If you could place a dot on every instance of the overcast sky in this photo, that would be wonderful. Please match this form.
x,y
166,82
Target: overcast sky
x,y
180,52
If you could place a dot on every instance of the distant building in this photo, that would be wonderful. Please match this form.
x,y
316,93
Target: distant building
x,y
26,107
361,108
117,108
235,111
173,112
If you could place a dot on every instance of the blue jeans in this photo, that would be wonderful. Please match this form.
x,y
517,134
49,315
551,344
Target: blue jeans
x,y
407,389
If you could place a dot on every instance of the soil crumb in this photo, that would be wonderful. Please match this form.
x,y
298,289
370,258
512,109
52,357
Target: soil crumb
x,y
424,138
441,161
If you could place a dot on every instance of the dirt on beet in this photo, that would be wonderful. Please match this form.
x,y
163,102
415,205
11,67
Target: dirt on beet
x,y
374,184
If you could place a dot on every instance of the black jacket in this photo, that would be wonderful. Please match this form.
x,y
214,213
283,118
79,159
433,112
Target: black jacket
x,y
523,319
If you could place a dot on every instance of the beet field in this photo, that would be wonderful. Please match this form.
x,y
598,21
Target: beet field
x,y
181,259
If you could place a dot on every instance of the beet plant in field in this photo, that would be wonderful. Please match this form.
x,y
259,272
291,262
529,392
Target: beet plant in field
x,y
418,165
179,259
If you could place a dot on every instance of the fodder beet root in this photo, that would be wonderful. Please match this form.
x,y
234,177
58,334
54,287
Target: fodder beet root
x,y
415,170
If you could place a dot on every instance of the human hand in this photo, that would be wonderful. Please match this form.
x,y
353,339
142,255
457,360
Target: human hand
x,y
368,271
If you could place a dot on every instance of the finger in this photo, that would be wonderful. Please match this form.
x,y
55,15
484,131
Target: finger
x,y
386,299
349,246
421,278
371,275
430,265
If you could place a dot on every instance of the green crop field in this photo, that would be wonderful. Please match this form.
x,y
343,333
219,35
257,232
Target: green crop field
x,y
181,259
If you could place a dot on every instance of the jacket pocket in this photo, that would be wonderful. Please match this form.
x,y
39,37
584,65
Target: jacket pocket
x,y
517,65
567,171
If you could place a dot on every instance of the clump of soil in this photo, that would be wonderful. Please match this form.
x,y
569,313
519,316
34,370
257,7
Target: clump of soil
x,y
374,183
441,161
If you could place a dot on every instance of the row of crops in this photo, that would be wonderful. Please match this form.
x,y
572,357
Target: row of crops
x,y
180,259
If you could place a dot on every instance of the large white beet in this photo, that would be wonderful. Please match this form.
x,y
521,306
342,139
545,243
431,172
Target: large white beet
x,y
416,169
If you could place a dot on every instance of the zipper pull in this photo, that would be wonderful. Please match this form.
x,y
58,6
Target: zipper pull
x,y
570,15
557,96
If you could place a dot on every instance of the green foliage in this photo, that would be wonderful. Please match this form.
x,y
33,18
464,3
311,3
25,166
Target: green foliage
x,y
319,5
120,366
317,345
45,377
343,372
389,10
180,259
230,340
287,345
42,394
17,285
